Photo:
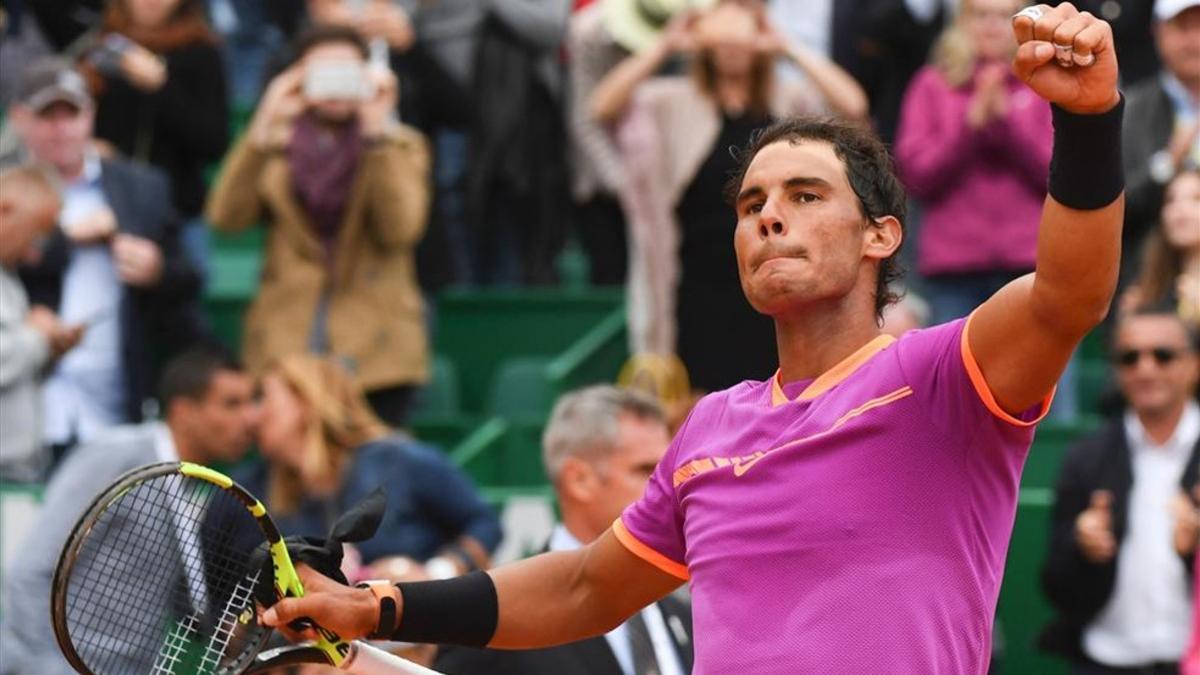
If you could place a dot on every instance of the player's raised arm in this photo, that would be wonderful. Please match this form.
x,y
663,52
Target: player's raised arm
x,y
546,600
1024,335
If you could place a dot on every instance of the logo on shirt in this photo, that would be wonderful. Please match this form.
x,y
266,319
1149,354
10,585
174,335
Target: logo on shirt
x,y
742,465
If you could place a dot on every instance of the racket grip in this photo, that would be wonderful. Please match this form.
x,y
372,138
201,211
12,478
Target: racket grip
x,y
367,660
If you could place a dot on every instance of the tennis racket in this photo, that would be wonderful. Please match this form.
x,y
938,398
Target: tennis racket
x,y
159,577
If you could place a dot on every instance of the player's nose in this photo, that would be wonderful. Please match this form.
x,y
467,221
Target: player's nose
x,y
770,221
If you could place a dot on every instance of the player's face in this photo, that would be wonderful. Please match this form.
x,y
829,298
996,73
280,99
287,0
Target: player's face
x,y
801,238
226,418
640,444
1165,371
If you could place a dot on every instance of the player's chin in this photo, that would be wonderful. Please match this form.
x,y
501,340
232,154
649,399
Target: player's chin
x,y
774,296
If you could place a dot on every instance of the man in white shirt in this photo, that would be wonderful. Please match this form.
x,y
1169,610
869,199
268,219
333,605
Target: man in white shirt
x,y
1113,573
599,449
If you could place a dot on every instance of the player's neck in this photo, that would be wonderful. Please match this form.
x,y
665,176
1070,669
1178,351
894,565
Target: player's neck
x,y
818,340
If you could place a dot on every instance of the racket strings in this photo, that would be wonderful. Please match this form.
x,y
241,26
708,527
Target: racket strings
x,y
160,582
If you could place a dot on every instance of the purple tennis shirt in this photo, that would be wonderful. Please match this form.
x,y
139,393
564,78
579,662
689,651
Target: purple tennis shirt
x,y
855,523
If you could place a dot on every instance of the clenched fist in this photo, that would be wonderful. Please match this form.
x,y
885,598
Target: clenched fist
x,y
1067,57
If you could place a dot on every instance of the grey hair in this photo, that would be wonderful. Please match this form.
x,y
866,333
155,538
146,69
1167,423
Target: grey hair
x,y
584,424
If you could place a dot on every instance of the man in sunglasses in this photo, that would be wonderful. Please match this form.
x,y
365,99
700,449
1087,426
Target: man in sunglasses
x,y
1113,573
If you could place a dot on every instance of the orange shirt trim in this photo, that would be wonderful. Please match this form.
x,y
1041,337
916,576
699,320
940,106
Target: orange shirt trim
x,y
834,375
648,554
985,392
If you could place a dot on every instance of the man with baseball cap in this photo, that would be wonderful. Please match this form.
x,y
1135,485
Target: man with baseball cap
x,y
115,266
1162,119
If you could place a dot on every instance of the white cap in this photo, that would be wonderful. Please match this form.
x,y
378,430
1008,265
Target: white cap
x,y
1165,10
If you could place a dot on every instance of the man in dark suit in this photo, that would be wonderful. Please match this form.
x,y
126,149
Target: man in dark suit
x,y
599,449
1117,582
1162,119
115,267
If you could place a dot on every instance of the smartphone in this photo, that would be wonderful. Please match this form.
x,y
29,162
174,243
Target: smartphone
x,y
335,80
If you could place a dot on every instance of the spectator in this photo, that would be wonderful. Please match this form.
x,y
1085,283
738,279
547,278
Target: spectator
x,y
1120,589
161,98
326,450
675,136
909,313
344,191
1162,119
599,449
115,267
1170,269
29,338
973,146
1187,530
210,417
597,174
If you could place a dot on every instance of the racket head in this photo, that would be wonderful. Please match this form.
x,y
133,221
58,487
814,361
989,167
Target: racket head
x,y
156,576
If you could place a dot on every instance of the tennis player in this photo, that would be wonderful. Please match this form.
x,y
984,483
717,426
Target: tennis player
x,y
852,513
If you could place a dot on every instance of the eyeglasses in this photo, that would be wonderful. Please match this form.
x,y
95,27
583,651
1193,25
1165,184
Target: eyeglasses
x,y
1129,358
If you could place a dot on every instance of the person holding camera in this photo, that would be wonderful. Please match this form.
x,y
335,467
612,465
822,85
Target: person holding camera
x,y
344,191
155,71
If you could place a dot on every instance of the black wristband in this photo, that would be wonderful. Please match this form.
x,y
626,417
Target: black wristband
x,y
459,611
1086,171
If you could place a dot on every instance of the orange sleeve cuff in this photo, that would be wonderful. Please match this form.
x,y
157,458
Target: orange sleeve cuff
x,y
985,392
636,547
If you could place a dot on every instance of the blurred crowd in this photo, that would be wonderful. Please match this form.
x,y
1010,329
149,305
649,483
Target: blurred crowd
x,y
390,149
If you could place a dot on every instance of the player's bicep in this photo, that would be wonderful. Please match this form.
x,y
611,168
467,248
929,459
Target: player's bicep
x,y
1018,354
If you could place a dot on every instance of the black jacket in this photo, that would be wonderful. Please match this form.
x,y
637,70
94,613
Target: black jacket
x,y
1079,589
155,322
1149,123
586,657
181,128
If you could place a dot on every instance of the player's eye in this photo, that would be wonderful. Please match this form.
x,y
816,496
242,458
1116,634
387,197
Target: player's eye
x,y
807,197
754,207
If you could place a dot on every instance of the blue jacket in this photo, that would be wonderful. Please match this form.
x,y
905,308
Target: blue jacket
x,y
430,502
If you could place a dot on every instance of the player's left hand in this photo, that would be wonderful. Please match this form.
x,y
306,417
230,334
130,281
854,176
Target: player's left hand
x,y
1067,57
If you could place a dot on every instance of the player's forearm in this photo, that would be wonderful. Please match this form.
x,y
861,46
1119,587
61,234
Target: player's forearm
x,y
1079,243
547,600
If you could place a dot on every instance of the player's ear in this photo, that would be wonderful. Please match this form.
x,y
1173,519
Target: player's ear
x,y
882,237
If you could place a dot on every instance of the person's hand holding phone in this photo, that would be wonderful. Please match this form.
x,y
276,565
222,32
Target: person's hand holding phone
x,y
283,100
96,227
60,337
375,115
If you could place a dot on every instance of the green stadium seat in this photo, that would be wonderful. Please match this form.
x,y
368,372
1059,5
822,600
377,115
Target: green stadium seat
x,y
440,397
521,388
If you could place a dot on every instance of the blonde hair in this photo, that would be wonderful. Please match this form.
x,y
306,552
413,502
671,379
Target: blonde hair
x,y
762,72
340,422
954,53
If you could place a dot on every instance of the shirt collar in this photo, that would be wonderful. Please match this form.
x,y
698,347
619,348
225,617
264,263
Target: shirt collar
x,y
834,375
1181,99
164,444
1187,431
561,539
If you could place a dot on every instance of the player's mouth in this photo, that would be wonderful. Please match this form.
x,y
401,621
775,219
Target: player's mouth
x,y
776,256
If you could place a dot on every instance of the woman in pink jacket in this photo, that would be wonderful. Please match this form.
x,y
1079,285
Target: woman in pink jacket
x,y
973,147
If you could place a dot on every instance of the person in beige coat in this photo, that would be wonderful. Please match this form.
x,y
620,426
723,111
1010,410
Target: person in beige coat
x,y
344,192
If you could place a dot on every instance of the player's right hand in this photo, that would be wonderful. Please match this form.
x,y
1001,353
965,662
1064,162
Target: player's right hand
x,y
1093,529
350,612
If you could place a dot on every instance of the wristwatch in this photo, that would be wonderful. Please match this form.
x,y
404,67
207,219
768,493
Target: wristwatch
x,y
389,607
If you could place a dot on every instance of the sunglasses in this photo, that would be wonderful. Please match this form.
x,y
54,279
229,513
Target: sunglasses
x,y
1129,358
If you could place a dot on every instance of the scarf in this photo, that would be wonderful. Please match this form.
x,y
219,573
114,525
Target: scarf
x,y
324,161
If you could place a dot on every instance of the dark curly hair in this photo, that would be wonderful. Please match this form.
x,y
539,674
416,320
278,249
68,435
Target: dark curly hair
x,y
869,170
